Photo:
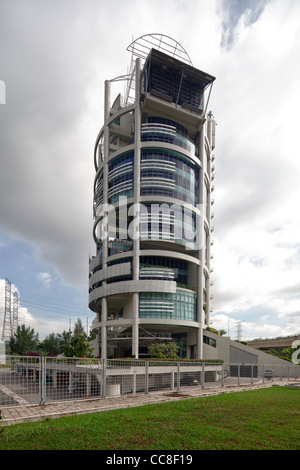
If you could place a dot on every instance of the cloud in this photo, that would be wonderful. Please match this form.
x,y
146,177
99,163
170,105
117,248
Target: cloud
x,y
47,134
236,14
257,223
26,318
55,57
45,278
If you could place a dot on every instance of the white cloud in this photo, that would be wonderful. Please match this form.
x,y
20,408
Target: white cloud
x,y
257,223
55,58
45,278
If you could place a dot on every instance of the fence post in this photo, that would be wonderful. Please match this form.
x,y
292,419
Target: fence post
x,y
239,374
251,374
223,374
202,376
147,377
42,379
134,383
103,378
178,376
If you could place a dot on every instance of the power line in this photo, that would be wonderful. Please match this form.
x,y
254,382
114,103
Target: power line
x,y
71,311
33,310
56,309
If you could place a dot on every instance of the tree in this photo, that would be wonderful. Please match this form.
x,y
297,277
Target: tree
x,y
222,332
77,345
92,334
285,353
164,350
23,340
78,328
53,344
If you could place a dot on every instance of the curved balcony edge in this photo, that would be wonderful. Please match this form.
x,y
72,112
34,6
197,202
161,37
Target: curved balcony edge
x,y
115,270
126,322
130,287
95,261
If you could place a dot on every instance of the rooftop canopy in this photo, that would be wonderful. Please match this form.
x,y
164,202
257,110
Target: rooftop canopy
x,y
161,51
177,66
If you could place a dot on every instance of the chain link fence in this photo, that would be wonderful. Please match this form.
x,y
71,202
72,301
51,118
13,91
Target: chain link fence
x,y
37,380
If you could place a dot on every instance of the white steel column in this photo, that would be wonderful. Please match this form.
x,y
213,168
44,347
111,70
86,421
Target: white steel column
x,y
136,239
105,216
199,353
200,234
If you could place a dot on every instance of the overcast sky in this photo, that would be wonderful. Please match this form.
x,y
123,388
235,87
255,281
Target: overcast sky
x,y
54,58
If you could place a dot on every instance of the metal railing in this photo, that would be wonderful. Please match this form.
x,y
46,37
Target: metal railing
x,y
37,380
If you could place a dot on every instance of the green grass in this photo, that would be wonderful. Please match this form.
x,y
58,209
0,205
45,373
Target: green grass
x,y
266,419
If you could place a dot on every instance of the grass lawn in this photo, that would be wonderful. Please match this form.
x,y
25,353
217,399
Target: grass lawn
x,y
251,420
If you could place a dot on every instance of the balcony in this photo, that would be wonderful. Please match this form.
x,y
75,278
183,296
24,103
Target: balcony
x,y
165,133
155,272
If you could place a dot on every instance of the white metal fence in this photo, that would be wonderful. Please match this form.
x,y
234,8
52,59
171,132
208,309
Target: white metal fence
x,y
39,380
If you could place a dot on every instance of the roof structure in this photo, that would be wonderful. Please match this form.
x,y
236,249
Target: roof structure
x,y
160,58
162,48
142,46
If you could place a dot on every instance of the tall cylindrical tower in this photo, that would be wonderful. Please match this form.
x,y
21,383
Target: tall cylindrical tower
x,y
150,278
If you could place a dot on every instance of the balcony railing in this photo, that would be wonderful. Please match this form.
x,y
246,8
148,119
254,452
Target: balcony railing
x,y
156,273
166,133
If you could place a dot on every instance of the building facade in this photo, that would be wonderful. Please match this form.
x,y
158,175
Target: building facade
x,y
150,278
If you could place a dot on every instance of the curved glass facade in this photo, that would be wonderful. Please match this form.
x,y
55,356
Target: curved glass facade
x,y
98,194
177,266
160,305
168,173
169,222
168,131
120,177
